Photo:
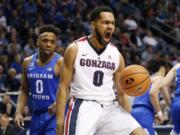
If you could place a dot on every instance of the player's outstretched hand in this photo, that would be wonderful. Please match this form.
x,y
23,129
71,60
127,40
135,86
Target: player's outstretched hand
x,y
52,109
19,120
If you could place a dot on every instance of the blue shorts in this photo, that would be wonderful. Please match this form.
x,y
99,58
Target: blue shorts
x,y
43,123
145,117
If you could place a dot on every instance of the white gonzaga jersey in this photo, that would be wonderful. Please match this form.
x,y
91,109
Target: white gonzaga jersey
x,y
93,77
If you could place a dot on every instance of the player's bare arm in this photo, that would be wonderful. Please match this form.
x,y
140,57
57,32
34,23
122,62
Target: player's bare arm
x,y
154,97
167,81
122,98
57,70
169,78
155,81
58,67
154,93
166,94
164,89
23,96
63,90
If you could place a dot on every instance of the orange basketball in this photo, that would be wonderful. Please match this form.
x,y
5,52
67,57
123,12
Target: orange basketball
x,y
135,80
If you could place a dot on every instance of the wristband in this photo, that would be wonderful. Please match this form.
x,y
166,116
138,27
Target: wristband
x,y
159,113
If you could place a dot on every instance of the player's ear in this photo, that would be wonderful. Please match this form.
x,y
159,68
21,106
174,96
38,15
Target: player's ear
x,y
37,42
93,24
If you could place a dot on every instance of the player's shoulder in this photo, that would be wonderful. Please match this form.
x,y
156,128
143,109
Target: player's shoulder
x,y
177,66
113,47
156,78
81,40
73,47
71,52
58,56
60,61
114,50
27,59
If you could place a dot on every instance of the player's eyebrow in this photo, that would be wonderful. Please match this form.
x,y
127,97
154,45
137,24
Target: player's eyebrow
x,y
44,34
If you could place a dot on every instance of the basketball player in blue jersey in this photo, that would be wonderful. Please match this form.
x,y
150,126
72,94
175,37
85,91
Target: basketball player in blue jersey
x,y
40,78
91,71
174,75
146,108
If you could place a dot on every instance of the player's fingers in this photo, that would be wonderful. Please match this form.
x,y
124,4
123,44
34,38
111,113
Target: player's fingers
x,y
52,110
161,121
49,110
19,123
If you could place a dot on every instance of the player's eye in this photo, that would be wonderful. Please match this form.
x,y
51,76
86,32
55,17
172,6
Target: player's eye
x,y
44,40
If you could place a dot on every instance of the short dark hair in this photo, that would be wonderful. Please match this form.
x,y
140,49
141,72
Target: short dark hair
x,y
49,28
95,14
154,64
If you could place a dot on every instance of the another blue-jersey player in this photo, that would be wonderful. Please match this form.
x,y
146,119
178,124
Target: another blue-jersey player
x,y
174,76
146,108
40,78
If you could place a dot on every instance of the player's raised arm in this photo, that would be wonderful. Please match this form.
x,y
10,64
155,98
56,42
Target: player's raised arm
x,y
63,90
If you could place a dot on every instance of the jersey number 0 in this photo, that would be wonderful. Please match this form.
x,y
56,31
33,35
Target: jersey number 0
x,y
39,86
98,78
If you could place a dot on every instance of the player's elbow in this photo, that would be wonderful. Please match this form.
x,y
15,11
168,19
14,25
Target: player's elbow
x,y
62,92
153,95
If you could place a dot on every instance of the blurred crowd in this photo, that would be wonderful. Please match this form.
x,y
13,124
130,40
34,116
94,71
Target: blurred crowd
x,y
20,21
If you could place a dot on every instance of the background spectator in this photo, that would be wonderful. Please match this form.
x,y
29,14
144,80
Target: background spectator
x,y
138,22
6,128
12,82
2,79
7,106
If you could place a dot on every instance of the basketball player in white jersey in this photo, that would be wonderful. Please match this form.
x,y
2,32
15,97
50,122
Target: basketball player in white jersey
x,y
91,68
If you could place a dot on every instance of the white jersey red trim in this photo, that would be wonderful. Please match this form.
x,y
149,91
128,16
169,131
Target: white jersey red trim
x,y
93,77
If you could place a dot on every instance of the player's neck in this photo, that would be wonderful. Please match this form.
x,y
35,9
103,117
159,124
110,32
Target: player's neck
x,y
95,43
43,60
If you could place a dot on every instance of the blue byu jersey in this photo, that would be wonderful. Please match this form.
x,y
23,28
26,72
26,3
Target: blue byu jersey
x,y
143,112
42,83
144,100
175,105
177,92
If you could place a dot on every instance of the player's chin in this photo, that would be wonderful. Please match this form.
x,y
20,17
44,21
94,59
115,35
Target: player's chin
x,y
107,40
48,52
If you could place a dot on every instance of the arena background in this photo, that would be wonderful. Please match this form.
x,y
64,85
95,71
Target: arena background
x,y
144,29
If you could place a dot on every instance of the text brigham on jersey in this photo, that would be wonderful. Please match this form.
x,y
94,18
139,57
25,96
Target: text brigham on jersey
x,y
35,75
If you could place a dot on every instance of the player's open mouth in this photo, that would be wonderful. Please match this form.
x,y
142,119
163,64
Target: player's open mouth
x,y
47,50
107,35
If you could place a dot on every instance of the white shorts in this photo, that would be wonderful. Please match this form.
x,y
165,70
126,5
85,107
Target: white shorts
x,y
92,118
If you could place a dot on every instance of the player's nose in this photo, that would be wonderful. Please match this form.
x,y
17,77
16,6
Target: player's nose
x,y
48,44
